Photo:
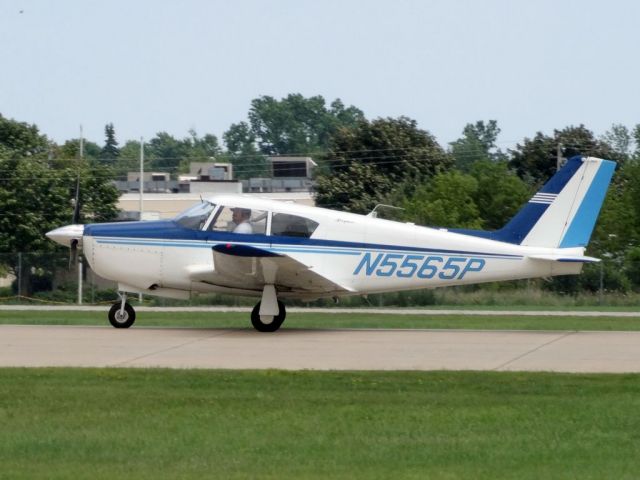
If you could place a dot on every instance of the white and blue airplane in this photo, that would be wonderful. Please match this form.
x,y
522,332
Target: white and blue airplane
x,y
246,245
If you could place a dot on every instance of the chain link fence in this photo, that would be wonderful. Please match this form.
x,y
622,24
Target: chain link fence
x,y
57,279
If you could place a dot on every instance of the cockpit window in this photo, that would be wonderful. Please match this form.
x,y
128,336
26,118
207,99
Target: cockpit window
x,y
286,225
195,217
239,220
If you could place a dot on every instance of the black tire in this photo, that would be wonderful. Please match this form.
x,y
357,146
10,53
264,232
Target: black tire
x,y
261,326
126,320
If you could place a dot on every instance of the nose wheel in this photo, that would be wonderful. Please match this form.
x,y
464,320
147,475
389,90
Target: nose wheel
x,y
268,323
122,314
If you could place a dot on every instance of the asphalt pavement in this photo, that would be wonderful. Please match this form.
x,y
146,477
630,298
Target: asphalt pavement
x,y
331,349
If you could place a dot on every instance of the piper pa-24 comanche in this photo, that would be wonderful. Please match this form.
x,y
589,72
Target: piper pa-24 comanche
x,y
247,245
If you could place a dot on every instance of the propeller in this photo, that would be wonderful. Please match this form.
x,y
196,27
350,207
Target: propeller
x,y
73,250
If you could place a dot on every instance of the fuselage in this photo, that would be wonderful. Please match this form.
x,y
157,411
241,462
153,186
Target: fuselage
x,y
360,254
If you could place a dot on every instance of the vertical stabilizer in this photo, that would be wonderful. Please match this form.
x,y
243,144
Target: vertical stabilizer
x,y
564,212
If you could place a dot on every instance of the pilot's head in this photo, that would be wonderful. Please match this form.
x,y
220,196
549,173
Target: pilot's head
x,y
241,215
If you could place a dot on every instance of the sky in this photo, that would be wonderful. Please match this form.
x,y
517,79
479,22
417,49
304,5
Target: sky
x,y
157,65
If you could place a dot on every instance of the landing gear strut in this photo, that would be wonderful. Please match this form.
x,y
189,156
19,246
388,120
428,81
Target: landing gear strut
x,y
122,314
268,323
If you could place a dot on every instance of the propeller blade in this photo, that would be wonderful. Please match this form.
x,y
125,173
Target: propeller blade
x,y
73,253
76,208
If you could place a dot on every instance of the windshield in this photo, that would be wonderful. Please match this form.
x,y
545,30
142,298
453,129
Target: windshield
x,y
195,217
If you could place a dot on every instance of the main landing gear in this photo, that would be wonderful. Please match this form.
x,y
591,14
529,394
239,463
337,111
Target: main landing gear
x,y
269,313
268,323
122,314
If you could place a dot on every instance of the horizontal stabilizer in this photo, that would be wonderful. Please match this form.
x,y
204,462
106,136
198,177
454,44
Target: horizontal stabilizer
x,y
565,258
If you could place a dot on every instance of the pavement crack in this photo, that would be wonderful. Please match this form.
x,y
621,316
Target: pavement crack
x,y
519,357
168,349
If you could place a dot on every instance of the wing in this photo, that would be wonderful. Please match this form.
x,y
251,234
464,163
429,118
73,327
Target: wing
x,y
249,268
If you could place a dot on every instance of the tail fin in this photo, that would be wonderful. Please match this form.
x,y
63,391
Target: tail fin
x,y
563,213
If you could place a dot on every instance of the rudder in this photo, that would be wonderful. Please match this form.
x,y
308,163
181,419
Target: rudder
x,y
564,212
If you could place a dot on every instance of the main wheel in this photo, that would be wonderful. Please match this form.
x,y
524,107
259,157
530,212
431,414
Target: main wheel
x,y
122,319
268,323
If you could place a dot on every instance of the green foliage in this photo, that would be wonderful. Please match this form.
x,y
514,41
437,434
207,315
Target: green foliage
x,y
242,152
165,153
487,197
356,188
36,191
535,161
477,144
619,138
110,152
367,163
69,151
500,193
446,201
298,125
20,139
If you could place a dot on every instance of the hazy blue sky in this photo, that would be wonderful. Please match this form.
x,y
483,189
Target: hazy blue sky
x,y
152,65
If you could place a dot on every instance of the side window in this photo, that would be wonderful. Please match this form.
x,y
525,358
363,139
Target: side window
x,y
240,220
286,225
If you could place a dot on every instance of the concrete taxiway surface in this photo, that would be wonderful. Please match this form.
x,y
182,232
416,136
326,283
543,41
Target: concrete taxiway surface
x,y
84,346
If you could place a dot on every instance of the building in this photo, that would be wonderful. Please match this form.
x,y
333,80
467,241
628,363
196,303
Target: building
x,y
291,180
288,174
161,205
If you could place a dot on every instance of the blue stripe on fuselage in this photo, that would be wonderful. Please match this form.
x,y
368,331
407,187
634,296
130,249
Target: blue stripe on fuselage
x,y
170,234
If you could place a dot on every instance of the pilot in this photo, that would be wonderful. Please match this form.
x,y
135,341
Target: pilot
x,y
240,218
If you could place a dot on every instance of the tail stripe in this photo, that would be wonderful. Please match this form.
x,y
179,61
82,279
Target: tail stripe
x,y
581,226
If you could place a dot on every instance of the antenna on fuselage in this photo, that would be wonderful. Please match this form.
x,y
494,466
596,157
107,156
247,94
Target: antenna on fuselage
x,y
374,214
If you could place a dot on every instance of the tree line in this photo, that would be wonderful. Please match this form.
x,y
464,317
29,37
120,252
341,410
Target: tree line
x,y
469,183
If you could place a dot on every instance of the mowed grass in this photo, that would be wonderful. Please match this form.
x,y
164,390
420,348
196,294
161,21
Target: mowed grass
x,y
149,424
329,320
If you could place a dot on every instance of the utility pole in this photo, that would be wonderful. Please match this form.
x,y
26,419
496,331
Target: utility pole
x,y
141,189
81,144
80,281
76,207
141,184
559,157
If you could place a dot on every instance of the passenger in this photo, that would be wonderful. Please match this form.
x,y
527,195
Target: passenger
x,y
241,218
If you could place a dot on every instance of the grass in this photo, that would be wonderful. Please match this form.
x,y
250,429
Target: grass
x,y
119,423
330,320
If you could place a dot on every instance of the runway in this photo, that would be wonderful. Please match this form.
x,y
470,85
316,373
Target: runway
x,y
343,349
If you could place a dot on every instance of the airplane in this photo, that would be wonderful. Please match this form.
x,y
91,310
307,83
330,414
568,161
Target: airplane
x,y
274,250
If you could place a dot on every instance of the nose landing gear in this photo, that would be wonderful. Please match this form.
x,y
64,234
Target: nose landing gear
x,y
122,314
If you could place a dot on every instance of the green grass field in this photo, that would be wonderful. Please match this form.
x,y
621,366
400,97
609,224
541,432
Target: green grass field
x,y
118,423
329,320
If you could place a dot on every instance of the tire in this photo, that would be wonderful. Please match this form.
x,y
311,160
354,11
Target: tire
x,y
126,320
274,325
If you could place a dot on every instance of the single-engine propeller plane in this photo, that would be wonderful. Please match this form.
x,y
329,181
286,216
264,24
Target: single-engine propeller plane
x,y
246,245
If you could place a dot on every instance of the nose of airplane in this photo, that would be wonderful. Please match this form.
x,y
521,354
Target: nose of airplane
x,y
65,235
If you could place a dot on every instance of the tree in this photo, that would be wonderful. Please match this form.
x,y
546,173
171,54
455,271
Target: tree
x,y
398,156
446,201
500,193
36,192
620,140
356,188
166,153
535,160
478,143
70,150
298,125
242,152
33,200
110,151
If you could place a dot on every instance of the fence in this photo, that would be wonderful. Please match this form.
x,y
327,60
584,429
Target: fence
x,y
43,277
